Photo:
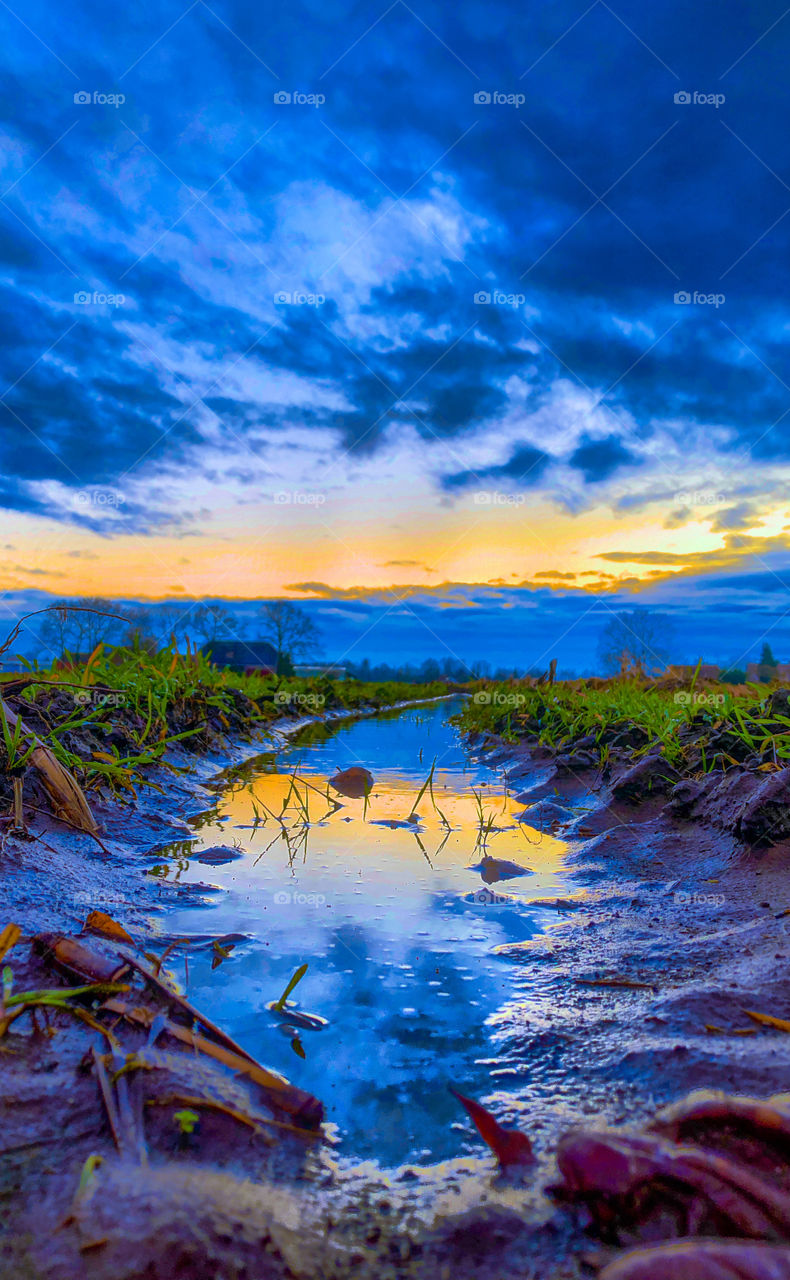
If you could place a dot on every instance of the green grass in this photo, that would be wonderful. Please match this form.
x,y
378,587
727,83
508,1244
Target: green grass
x,y
147,703
711,728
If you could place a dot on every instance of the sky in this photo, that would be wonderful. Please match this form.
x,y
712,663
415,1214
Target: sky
x,y
466,326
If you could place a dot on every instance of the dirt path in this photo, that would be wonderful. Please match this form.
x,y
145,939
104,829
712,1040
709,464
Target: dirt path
x,y
677,930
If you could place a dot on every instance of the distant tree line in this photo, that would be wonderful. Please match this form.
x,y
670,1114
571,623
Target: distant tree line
x,y
452,669
640,642
77,626
632,642
766,668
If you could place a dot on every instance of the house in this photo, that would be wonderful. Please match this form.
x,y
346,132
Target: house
x,y
251,657
331,670
707,671
755,672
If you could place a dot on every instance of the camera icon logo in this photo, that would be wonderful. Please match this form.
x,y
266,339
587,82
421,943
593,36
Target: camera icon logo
x,y
683,297
487,896
482,499
83,297
281,97
282,499
282,898
482,97
81,97
282,296
282,697
682,97
482,298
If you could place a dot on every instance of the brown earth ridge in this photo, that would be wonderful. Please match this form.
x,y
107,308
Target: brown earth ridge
x,y
677,934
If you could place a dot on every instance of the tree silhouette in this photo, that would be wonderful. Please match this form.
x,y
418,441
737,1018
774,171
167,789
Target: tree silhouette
x,y
637,641
289,629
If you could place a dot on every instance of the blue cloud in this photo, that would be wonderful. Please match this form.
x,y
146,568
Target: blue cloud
x,y
592,203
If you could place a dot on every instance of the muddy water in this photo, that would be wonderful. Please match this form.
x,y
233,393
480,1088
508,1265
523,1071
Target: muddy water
x,y
398,924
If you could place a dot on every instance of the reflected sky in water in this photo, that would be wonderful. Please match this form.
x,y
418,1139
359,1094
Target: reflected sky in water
x,y
397,930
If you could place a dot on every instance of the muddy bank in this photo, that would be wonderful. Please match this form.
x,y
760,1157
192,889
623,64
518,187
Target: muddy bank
x,y
53,876
678,902
647,972
683,938
223,1200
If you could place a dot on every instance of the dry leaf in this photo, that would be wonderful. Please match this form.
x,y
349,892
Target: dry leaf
x,y
9,938
765,1020
100,922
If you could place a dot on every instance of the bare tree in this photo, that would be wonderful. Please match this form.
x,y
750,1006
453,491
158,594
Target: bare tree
x,y
211,622
140,631
54,629
77,626
637,641
168,621
290,630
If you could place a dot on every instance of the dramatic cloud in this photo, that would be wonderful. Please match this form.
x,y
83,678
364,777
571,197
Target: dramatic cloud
x,y
435,268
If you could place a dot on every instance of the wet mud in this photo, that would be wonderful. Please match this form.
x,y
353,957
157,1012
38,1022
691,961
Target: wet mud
x,y
640,986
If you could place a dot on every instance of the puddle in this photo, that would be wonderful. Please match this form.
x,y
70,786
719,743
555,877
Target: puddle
x,y
396,928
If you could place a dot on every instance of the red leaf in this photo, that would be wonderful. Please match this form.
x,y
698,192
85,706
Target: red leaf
x,y
510,1146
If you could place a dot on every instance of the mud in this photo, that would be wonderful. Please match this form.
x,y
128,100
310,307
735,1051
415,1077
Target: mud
x,y
646,983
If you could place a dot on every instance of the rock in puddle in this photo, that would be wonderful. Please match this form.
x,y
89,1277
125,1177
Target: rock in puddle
x,y
218,854
493,869
544,814
355,782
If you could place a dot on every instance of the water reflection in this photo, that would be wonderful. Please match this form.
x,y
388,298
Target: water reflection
x,y
387,909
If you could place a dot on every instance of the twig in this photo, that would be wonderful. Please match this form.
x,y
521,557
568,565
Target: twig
x,y
214,1032
54,608
57,817
105,1088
